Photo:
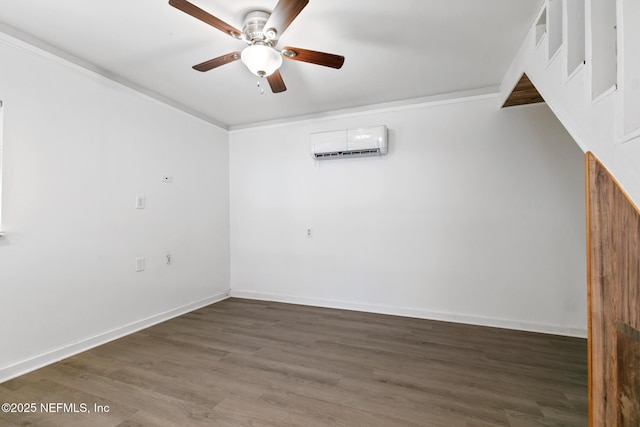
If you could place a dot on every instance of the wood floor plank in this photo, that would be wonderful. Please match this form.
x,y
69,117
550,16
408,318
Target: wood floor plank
x,y
256,363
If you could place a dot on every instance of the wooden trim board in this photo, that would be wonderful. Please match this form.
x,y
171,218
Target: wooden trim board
x,y
524,93
613,262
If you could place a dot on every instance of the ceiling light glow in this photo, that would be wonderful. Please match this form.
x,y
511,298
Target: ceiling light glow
x,y
261,60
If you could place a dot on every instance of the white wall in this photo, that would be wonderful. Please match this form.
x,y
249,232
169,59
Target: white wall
x,y
476,215
78,148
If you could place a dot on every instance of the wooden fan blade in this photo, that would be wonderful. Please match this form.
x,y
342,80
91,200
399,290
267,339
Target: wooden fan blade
x,y
319,58
205,17
216,62
276,82
284,14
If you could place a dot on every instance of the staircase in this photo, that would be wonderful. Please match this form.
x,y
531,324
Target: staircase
x,y
583,57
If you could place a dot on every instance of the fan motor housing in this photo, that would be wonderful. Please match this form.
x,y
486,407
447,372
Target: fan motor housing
x,y
253,28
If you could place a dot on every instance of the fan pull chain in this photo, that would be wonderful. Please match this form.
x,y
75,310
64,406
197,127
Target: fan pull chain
x,y
260,87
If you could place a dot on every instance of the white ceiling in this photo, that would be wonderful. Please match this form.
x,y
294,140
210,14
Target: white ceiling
x,y
394,49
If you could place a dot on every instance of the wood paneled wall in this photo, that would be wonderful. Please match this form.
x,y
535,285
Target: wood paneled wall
x,y
613,234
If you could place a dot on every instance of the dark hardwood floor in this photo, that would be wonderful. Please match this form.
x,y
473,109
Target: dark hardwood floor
x,y
252,363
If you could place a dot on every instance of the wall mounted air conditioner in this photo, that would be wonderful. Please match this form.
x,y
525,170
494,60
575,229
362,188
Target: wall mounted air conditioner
x,y
358,142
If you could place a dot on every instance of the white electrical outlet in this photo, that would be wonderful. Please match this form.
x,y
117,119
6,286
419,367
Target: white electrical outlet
x,y
309,233
140,264
166,178
140,202
168,259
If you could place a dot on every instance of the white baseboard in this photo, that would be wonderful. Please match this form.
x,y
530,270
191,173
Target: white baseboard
x,y
417,313
58,354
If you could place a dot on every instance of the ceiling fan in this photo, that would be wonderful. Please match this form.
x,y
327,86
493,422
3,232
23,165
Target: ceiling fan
x,y
261,31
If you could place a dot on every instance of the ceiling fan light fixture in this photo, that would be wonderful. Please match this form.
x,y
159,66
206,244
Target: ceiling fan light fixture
x,y
261,60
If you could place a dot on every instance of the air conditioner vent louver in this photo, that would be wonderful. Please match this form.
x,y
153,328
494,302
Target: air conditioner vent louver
x,y
357,153
361,142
